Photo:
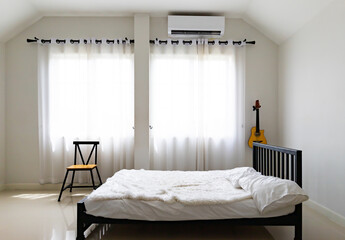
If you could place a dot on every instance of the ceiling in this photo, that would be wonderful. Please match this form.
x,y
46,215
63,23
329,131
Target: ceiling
x,y
277,19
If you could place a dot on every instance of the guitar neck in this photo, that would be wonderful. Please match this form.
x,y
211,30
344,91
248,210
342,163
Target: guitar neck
x,y
257,121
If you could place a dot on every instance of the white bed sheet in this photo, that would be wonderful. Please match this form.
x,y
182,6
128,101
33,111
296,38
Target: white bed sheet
x,y
160,211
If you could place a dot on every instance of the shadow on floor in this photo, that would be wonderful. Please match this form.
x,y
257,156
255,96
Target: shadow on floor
x,y
180,231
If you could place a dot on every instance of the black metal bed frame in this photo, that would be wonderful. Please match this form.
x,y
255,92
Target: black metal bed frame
x,y
269,160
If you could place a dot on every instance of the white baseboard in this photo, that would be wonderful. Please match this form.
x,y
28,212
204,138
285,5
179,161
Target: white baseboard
x,y
328,213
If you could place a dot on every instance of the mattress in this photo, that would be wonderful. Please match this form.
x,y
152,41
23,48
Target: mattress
x,y
160,211
173,196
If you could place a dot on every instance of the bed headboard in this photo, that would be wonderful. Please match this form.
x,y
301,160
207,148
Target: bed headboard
x,y
279,162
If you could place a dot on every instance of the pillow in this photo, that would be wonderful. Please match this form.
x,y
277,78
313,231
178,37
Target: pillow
x,y
272,193
236,173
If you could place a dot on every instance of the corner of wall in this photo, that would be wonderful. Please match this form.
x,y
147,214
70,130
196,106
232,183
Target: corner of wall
x,y
2,115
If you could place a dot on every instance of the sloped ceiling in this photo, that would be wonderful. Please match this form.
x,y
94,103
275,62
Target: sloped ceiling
x,y
277,19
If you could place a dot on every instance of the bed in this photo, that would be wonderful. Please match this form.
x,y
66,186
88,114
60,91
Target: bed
x,y
268,160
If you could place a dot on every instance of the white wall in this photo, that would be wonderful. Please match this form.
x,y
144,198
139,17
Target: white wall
x,y
22,164
2,115
311,104
142,98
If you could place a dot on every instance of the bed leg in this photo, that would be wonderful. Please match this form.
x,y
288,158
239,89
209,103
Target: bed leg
x,y
298,225
298,231
80,222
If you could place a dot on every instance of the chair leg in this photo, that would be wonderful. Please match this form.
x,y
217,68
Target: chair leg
x,y
93,181
63,185
71,185
99,177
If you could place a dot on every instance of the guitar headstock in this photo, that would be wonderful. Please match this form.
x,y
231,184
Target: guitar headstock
x,y
257,105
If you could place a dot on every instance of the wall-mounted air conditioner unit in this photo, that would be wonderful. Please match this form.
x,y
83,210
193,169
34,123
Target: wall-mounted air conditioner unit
x,y
196,26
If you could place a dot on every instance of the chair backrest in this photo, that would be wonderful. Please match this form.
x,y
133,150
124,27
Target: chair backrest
x,y
77,151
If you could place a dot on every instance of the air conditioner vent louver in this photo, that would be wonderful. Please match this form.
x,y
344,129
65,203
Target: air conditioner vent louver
x,y
195,32
196,26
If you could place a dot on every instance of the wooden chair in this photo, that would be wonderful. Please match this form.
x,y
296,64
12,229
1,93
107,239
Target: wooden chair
x,y
86,166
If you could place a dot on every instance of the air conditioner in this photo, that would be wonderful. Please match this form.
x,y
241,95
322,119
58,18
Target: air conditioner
x,y
196,26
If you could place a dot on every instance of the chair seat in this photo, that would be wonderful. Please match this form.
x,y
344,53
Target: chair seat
x,y
81,167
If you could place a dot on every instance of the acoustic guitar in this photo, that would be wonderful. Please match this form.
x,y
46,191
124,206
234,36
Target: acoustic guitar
x,y
257,134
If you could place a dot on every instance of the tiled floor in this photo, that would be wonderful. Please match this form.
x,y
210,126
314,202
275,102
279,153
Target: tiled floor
x,y
37,215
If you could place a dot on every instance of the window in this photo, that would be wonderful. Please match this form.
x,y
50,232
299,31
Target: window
x,y
86,92
90,98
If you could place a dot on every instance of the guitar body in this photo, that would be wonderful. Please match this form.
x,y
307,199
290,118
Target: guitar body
x,y
255,137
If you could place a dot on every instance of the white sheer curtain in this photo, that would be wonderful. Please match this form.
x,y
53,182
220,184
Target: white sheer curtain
x,y
86,92
196,106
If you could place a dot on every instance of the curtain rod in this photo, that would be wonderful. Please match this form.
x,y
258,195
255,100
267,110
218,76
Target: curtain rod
x,y
131,41
197,41
78,41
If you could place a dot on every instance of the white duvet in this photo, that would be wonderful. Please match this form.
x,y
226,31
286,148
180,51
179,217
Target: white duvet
x,y
187,187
